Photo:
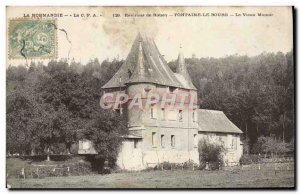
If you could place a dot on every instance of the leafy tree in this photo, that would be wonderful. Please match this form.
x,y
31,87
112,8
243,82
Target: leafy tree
x,y
106,131
19,112
256,93
246,146
50,105
210,152
259,147
271,145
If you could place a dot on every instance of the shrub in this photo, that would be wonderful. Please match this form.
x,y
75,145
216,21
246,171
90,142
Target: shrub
x,y
148,169
40,158
76,166
165,165
188,165
210,152
249,159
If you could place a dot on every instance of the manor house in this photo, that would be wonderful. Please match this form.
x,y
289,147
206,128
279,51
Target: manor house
x,y
156,133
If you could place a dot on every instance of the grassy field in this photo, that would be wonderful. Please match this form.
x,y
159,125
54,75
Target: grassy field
x,y
166,179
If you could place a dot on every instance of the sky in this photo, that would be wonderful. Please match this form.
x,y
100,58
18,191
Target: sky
x,y
204,36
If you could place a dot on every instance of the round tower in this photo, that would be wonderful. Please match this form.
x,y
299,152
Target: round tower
x,y
137,89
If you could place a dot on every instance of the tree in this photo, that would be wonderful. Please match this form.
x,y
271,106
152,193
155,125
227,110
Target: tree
x,y
210,152
259,146
106,131
19,113
50,104
282,148
246,146
271,145
256,93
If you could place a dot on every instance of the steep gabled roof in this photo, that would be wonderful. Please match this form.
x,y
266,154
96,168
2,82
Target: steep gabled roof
x,y
144,64
182,74
215,121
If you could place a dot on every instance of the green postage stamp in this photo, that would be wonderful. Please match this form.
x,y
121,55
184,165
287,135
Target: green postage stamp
x,y
32,38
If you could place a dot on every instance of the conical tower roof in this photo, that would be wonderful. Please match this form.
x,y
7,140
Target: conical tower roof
x,y
181,72
144,64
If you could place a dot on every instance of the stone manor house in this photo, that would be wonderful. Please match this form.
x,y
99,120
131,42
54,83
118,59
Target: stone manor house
x,y
164,134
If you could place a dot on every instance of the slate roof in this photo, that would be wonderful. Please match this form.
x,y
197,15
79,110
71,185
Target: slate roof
x,y
145,64
182,73
215,121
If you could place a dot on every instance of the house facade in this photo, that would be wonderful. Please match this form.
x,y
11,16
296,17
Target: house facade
x,y
168,128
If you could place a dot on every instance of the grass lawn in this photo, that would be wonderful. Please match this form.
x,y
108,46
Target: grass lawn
x,y
166,179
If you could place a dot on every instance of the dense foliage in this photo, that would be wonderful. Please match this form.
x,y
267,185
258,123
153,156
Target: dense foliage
x,y
210,152
256,93
57,103
54,105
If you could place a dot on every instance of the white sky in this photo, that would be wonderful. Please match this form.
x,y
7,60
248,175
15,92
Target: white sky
x,y
109,37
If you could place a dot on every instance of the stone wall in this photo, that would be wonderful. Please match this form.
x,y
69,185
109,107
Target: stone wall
x,y
131,158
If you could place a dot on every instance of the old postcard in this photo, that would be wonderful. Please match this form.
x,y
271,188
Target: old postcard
x,y
150,97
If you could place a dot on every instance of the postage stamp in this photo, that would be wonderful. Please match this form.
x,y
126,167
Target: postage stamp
x,y
32,38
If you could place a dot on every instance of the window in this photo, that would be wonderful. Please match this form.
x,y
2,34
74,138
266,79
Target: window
x,y
162,141
135,143
173,140
152,112
194,119
233,144
163,112
180,115
153,138
195,140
